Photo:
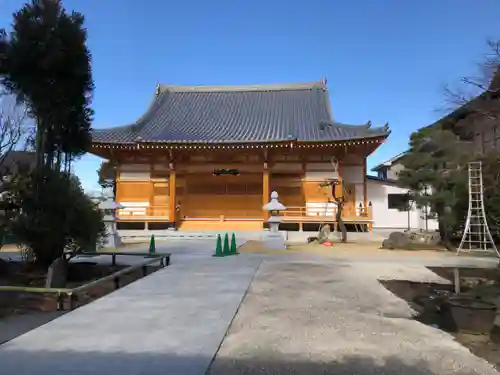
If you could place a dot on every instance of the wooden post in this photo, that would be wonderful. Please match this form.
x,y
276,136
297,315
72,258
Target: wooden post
x,y
265,189
365,196
117,183
341,185
150,211
456,280
370,215
172,200
60,302
365,186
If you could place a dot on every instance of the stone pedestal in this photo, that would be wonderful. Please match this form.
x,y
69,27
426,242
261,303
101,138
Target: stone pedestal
x,y
109,207
273,240
112,239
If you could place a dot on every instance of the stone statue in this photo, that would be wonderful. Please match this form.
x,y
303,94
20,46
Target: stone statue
x,y
324,233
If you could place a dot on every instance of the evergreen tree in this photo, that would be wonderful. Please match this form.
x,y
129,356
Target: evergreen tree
x,y
45,62
107,175
435,171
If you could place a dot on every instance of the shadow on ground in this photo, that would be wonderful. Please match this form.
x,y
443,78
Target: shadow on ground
x,y
18,362
16,325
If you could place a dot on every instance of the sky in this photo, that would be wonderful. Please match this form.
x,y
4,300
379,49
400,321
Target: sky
x,y
385,60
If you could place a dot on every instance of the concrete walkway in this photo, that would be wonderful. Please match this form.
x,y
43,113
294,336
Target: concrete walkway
x,y
171,322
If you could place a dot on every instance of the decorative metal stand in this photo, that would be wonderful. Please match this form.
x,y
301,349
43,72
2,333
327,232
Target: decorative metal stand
x,y
476,237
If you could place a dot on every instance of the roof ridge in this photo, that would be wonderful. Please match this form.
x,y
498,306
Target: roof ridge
x,y
244,88
342,125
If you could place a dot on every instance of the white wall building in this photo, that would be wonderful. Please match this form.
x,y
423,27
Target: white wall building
x,y
386,198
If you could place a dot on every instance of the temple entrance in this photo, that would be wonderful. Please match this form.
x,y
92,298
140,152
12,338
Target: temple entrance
x,y
231,197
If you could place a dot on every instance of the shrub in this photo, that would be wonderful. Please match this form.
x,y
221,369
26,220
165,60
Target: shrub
x,y
53,214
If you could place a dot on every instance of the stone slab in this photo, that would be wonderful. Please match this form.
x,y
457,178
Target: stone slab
x,y
171,322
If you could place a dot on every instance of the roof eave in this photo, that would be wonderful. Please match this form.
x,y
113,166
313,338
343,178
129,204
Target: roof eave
x,y
263,144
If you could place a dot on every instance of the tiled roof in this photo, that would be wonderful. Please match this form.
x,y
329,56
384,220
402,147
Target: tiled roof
x,y
231,114
390,162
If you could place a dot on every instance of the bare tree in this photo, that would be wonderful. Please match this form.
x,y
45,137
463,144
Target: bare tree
x,y
14,135
477,95
14,127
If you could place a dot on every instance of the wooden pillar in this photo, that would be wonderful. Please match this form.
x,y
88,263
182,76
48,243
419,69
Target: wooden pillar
x,y
365,195
172,204
340,190
265,189
151,209
365,186
117,184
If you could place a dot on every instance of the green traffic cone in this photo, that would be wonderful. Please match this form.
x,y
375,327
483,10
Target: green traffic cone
x,y
226,250
218,247
152,246
233,244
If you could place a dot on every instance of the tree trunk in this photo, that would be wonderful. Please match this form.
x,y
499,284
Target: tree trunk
x,y
340,222
39,140
443,233
58,160
68,158
66,163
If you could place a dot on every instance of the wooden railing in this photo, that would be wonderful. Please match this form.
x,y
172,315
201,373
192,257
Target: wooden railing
x,y
72,294
327,214
295,213
141,211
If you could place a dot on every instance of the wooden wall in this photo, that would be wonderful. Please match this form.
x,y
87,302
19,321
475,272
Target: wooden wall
x,y
202,195
289,188
145,189
234,197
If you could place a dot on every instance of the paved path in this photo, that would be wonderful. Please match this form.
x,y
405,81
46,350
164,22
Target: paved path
x,y
171,322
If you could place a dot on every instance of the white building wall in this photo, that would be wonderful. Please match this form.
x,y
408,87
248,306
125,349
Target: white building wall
x,y
390,218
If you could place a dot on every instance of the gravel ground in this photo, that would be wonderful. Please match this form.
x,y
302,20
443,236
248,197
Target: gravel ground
x,y
306,318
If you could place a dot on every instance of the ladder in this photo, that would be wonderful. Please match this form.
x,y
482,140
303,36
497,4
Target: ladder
x,y
476,236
